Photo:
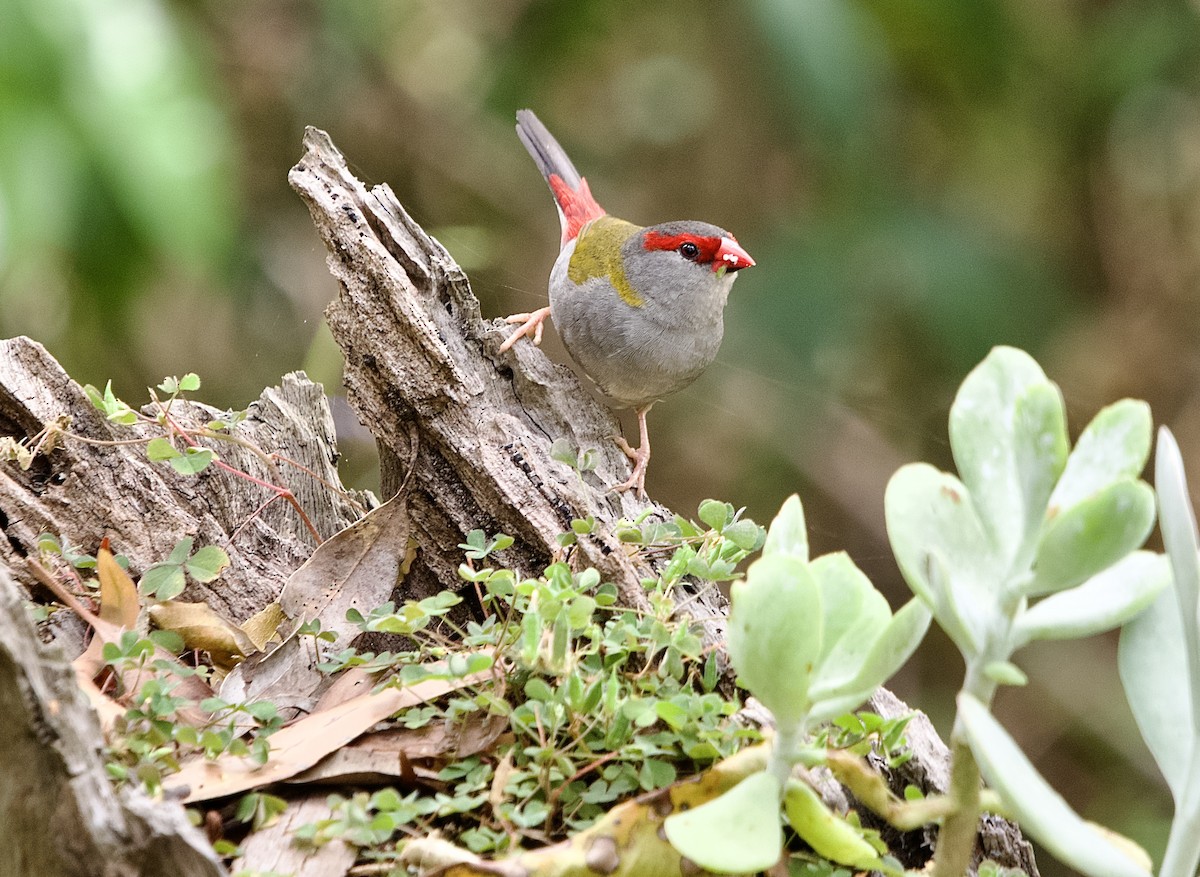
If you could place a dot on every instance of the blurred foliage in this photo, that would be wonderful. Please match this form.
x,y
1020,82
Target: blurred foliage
x,y
918,182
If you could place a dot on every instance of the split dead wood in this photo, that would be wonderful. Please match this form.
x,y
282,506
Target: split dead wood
x,y
83,491
419,353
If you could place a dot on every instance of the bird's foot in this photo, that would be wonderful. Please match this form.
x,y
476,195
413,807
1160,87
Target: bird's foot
x,y
641,458
630,452
531,324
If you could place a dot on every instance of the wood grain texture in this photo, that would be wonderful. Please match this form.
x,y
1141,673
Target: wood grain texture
x,y
82,491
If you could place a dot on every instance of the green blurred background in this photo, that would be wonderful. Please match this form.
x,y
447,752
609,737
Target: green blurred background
x,y
918,181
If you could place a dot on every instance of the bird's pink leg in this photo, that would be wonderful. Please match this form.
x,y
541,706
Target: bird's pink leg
x,y
639,455
531,324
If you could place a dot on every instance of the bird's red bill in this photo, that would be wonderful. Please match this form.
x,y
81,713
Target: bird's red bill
x,y
731,256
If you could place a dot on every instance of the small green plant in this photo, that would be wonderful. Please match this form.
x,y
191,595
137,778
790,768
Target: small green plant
x,y
179,445
166,580
1031,540
258,809
811,639
864,732
564,452
367,820
51,546
478,546
603,702
112,407
160,724
710,555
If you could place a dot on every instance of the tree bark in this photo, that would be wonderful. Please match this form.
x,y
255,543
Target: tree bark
x,y
418,353
81,491
60,815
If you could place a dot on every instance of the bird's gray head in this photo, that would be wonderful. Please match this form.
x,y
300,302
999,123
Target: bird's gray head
x,y
685,263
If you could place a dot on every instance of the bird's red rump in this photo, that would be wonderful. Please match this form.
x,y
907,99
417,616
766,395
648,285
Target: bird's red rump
x,y
577,205
707,246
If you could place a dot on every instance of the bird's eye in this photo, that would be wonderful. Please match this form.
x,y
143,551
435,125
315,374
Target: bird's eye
x,y
689,251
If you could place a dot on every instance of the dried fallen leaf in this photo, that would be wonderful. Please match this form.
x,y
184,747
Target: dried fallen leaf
x,y
357,568
88,664
119,608
272,850
347,684
283,676
263,626
107,709
386,756
204,629
301,745
362,768
473,733
119,602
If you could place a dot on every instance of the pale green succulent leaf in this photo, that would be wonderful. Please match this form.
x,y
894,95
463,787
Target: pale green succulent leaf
x,y
831,836
1005,673
1040,447
775,634
1152,660
1105,601
985,434
787,533
853,614
1114,446
738,832
1040,810
943,552
1092,535
891,646
1178,525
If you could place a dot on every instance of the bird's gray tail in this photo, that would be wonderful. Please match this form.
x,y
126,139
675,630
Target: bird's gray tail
x,y
547,154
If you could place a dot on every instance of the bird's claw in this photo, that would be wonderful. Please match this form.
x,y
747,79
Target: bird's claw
x,y
531,322
630,452
636,481
639,455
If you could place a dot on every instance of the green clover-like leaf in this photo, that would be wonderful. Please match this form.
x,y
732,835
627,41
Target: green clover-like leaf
x,y
164,581
192,461
207,563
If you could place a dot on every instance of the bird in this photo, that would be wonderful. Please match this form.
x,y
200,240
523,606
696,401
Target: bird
x,y
639,309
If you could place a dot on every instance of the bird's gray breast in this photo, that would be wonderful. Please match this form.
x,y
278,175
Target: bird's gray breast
x,y
639,354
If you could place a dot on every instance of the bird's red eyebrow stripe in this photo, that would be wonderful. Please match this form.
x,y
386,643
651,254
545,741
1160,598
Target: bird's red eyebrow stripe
x,y
708,246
